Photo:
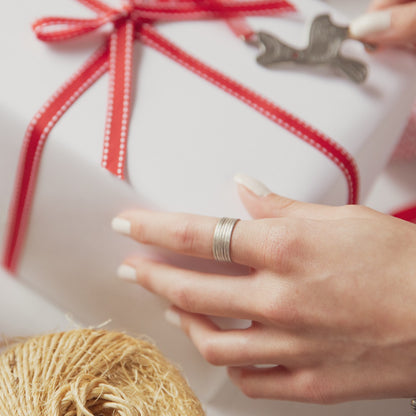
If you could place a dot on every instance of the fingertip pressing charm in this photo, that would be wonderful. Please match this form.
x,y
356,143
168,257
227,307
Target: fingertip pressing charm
x,y
370,24
121,225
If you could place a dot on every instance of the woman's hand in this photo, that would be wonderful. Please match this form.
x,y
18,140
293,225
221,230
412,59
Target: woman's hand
x,y
331,293
388,22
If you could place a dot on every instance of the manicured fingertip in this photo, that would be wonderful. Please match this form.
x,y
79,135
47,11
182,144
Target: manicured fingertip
x,y
370,23
127,273
253,185
121,225
173,317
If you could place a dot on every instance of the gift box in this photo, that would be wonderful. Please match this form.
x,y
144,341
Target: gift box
x,y
187,139
24,313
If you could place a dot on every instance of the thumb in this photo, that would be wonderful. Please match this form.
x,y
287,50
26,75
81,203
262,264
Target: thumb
x,y
391,26
260,202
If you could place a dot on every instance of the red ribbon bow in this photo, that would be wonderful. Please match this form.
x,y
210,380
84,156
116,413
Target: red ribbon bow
x,y
135,21
132,20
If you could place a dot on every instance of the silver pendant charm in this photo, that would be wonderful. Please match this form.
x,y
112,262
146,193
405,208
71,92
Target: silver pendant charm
x,y
324,47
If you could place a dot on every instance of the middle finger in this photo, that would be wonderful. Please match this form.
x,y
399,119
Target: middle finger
x,y
203,293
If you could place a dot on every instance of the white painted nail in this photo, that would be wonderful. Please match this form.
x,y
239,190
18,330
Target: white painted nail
x,y
370,23
127,273
121,225
173,318
252,184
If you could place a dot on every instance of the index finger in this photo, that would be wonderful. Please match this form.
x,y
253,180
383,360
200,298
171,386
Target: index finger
x,y
193,234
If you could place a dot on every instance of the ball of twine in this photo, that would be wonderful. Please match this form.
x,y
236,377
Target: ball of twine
x,y
88,372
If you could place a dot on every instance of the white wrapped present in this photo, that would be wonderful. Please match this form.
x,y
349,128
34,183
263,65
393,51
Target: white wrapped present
x,y
187,139
24,313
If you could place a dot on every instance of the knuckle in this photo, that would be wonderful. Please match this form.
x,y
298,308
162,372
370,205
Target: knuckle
x,y
139,232
209,350
281,244
184,235
294,350
283,309
248,388
289,314
250,392
183,298
312,390
272,311
287,204
144,274
300,349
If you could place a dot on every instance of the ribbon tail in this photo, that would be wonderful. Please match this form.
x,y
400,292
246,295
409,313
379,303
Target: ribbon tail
x,y
241,28
118,111
30,156
407,214
303,131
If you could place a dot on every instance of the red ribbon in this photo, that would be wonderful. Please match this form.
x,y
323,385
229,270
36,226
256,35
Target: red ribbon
x,y
135,21
407,214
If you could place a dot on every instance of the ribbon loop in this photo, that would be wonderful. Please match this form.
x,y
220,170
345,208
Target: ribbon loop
x,y
128,6
179,10
55,29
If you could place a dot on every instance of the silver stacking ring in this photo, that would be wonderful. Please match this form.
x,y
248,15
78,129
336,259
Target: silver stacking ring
x,y
221,243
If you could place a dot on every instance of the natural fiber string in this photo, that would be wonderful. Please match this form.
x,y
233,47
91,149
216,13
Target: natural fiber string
x,y
88,372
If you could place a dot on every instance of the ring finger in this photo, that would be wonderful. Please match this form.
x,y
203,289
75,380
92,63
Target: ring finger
x,y
193,234
203,293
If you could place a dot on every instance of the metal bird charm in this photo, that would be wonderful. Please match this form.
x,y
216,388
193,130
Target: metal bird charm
x,y
324,47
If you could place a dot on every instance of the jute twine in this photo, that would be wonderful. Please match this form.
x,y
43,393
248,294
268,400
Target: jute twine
x,y
88,372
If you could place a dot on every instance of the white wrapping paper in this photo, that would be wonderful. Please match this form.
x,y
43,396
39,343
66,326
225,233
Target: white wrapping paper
x,y
24,313
187,139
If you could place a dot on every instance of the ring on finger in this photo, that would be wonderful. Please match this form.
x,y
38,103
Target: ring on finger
x,y
221,244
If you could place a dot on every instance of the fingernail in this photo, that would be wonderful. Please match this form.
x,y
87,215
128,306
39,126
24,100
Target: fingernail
x,y
121,225
252,184
127,273
173,317
370,23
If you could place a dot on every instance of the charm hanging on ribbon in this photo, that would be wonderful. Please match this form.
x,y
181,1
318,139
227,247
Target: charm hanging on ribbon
x,y
325,41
